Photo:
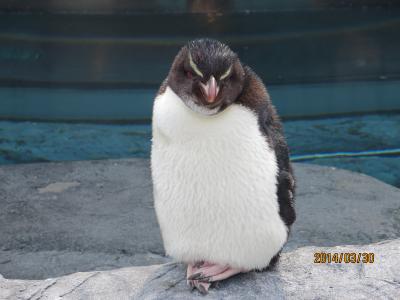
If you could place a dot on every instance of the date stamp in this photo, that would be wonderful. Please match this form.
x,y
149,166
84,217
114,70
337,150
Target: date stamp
x,y
344,257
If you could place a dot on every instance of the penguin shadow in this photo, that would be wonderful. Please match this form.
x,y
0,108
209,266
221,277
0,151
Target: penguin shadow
x,y
169,282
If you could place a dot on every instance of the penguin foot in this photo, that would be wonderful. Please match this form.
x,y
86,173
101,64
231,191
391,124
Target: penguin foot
x,y
192,270
201,276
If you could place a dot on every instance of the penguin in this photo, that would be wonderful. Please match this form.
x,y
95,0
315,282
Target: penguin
x,y
223,183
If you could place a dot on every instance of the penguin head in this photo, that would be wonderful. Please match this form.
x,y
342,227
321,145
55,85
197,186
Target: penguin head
x,y
207,75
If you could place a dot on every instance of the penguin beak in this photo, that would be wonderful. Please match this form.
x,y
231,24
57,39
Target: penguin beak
x,y
210,89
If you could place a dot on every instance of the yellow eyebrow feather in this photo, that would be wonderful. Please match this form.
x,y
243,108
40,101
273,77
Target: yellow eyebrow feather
x,y
223,76
194,66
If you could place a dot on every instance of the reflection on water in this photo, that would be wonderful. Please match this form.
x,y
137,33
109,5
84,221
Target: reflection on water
x,y
289,42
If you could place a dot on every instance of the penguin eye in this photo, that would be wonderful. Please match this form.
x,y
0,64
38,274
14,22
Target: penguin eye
x,y
189,74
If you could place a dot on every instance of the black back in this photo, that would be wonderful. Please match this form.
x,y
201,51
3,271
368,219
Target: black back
x,y
256,97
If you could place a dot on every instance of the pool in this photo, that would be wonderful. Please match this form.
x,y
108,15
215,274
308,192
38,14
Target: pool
x,y
97,62
368,144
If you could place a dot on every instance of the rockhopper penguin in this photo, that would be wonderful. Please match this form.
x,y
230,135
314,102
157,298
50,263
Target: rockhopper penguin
x,y
223,182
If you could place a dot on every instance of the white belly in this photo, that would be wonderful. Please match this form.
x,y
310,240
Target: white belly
x,y
214,185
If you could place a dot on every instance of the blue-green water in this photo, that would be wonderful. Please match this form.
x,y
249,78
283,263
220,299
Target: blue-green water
x,y
26,142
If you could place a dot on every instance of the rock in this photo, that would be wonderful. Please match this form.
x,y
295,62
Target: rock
x,y
45,264
296,276
57,187
117,284
66,217
338,207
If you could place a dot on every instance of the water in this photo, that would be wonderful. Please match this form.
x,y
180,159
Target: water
x,y
27,142
350,134
24,142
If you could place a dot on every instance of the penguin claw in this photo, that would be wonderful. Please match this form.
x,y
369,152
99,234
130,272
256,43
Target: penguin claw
x,y
203,278
195,276
202,289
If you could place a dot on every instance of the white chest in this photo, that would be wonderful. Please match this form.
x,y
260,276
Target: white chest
x,y
214,181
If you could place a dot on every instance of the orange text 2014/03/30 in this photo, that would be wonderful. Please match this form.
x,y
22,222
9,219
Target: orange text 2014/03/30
x,y
344,257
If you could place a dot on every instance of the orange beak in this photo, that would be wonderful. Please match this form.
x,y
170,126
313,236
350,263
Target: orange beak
x,y
210,89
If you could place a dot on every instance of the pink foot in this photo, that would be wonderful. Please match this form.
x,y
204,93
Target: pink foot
x,y
201,275
201,286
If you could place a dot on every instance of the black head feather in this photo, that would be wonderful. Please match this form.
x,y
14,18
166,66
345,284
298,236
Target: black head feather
x,y
202,65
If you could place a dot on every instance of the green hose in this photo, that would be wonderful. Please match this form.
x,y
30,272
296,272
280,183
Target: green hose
x,y
395,151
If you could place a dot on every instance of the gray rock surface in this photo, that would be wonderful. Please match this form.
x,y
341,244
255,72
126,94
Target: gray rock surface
x,y
338,207
60,218
118,284
296,277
